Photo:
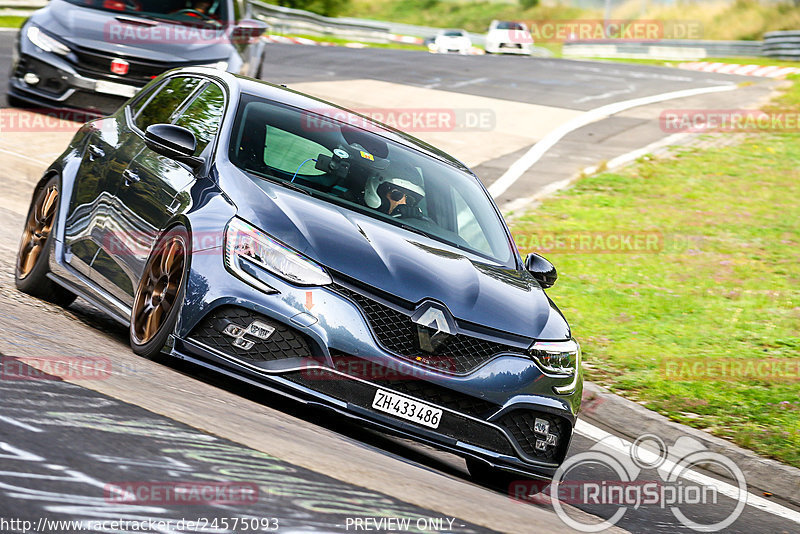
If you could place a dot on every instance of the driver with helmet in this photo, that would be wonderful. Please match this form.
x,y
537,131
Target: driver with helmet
x,y
396,194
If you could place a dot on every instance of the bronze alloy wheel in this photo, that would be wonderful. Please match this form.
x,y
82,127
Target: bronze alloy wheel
x,y
159,289
37,230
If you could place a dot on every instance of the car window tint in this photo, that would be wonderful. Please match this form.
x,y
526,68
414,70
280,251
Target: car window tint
x,y
368,173
468,226
142,98
286,151
167,100
203,116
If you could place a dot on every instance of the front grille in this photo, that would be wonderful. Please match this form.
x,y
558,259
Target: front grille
x,y
283,343
520,423
424,390
97,64
394,330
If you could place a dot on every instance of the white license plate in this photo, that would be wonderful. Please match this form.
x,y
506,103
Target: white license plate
x,y
113,88
406,408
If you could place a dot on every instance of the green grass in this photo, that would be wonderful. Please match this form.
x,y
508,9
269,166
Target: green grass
x,y
742,19
471,15
726,284
10,21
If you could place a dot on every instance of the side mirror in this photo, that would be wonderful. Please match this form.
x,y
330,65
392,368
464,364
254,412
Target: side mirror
x,y
247,30
542,270
174,142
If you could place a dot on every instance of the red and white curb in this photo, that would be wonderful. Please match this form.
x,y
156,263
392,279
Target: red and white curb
x,y
294,40
763,71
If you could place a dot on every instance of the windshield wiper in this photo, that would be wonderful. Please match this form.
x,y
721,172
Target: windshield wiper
x,y
142,20
416,230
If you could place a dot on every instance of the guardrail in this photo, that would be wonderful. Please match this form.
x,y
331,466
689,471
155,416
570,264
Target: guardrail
x,y
782,45
667,49
287,20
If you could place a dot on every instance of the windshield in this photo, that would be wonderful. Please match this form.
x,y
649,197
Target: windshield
x,y
510,26
189,12
364,172
453,33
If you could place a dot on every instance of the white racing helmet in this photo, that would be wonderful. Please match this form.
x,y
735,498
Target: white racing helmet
x,y
409,184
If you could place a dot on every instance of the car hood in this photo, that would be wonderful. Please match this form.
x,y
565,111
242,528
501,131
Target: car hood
x,y
402,263
100,30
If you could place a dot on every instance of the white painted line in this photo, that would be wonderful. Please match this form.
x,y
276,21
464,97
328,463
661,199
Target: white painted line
x,y
538,150
468,82
623,446
20,424
22,156
633,155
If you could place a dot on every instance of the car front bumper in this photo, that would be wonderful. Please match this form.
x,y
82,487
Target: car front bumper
x,y
325,351
59,85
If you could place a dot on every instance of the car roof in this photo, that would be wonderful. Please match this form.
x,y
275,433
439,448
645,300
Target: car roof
x,y
285,95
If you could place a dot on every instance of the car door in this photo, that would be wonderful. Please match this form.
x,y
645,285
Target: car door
x,y
154,188
128,231
94,187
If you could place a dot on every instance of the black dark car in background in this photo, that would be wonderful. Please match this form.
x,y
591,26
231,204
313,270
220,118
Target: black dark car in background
x,y
95,54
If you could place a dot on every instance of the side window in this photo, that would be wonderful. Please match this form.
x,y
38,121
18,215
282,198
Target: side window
x,y
203,115
142,98
286,151
166,102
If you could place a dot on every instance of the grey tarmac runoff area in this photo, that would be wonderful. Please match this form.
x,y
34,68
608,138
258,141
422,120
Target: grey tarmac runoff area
x,y
65,446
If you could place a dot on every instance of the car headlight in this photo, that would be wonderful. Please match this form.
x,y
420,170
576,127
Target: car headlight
x,y
45,42
561,358
556,357
249,250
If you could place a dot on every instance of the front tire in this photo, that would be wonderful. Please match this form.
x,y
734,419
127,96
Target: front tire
x,y
159,294
32,266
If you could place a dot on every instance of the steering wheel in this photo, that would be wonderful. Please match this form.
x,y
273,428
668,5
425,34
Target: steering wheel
x,y
194,13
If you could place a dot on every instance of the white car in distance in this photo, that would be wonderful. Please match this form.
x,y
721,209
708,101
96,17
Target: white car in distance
x,y
451,42
508,37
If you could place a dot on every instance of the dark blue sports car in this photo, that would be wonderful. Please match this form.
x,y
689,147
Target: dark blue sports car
x,y
278,238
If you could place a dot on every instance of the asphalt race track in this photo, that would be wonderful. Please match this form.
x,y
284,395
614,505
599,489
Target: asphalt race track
x,y
65,447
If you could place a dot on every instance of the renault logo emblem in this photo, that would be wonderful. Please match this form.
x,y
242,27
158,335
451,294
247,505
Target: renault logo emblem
x,y
435,319
256,329
434,325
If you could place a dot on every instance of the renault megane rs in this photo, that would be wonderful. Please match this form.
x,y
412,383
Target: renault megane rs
x,y
258,231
